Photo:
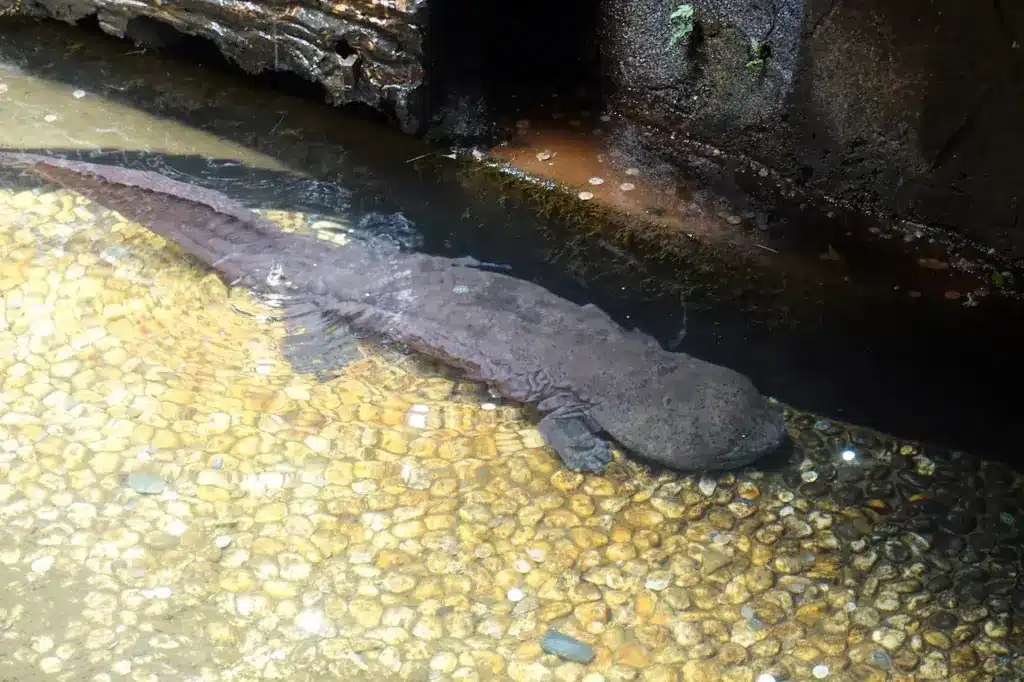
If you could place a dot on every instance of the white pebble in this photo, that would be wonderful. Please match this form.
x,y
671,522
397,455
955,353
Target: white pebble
x,y
50,118
627,187
245,605
162,592
42,644
596,181
42,564
273,480
585,196
51,665
632,171
848,455
488,406
78,94
766,677
515,594
222,541
656,584
605,117
820,671
318,444
417,420
176,527
310,620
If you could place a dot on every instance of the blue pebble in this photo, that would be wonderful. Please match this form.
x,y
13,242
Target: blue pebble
x,y
882,660
566,647
147,484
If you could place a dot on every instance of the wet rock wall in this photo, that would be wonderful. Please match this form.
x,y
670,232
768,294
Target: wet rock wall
x,y
361,51
911,107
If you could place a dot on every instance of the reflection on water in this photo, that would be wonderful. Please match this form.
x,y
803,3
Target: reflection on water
x,y
177,503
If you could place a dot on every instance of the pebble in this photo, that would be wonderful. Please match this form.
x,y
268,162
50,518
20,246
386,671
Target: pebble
x,y
890,638
586,196
707,485
147,484
658,582
564,646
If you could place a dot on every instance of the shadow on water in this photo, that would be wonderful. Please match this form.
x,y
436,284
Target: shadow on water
x,y
908,368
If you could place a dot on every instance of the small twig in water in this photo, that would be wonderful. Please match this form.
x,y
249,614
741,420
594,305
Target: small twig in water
x,y
279,121
417,158
766,248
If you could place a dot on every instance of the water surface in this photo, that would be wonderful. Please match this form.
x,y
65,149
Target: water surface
x,y
176,502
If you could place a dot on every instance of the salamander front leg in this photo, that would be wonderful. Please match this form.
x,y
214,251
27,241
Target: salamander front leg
x,y
580,448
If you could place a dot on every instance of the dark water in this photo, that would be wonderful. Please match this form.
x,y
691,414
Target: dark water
x,y
938,373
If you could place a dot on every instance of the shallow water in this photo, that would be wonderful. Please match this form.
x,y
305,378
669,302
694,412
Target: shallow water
x,y
177,503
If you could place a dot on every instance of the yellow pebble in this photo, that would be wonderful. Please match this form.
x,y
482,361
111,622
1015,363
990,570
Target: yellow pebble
x,y
208,493
280,589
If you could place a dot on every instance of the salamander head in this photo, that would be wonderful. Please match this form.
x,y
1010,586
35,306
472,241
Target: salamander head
x,y
695,417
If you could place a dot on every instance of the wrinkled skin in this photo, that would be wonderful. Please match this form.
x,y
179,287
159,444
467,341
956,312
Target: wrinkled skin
x,y
588,375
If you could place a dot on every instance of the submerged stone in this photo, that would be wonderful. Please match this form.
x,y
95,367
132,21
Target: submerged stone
x,y
147,484
564,646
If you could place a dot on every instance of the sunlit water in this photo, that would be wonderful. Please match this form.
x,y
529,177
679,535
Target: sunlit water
x,y
176,503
